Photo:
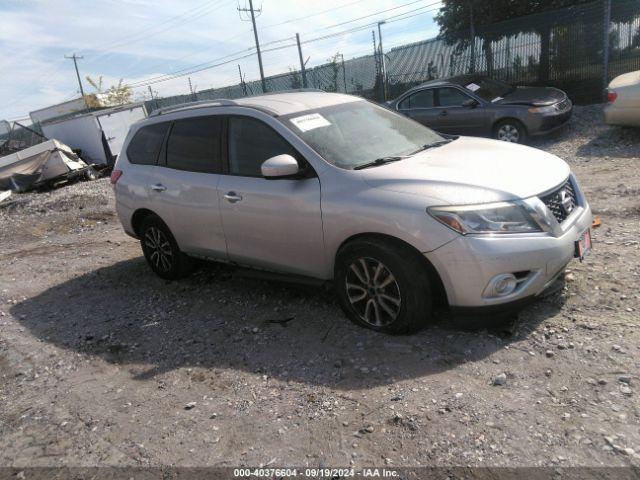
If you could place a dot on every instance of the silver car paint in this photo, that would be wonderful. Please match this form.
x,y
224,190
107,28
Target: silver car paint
x,y
297,226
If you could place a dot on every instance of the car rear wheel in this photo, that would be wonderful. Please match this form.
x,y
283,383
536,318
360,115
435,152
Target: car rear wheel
x,y
382,287
510,131
161,250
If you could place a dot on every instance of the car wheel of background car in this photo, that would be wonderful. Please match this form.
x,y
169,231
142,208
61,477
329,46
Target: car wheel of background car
x,y
510,131
161,250
382,286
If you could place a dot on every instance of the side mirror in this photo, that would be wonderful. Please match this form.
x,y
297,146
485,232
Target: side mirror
x,y
470,103
280,166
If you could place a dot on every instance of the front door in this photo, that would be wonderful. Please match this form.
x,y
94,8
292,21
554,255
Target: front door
x,y
421,107
457,118
273,224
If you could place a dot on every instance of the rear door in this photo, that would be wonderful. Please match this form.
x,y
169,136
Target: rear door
x,y
187,187
275,224
455,117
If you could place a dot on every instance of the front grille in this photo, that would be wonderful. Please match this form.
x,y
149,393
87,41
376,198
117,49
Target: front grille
x,y
562,201
563,105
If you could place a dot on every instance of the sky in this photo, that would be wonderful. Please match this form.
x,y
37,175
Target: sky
x,y
138,40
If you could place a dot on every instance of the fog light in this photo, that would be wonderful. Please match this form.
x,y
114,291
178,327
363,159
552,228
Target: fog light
x,y
501,285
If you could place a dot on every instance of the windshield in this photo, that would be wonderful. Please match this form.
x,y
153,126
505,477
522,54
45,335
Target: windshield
x,y
488,89
357,133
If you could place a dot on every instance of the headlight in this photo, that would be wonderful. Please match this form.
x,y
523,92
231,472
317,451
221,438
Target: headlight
x,y
547,109
503,217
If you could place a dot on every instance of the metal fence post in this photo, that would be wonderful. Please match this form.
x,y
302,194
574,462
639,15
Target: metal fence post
x,y
605,49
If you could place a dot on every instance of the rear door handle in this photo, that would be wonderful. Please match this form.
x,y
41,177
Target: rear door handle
x,y
158,187
444,113
232,197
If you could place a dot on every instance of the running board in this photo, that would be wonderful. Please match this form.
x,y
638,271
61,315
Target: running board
x,y
278,277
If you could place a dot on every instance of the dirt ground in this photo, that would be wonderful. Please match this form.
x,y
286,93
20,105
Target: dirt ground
x,y
103,363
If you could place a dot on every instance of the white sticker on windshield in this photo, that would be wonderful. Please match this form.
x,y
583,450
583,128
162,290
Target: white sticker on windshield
x,y
310,122
497,99
473,87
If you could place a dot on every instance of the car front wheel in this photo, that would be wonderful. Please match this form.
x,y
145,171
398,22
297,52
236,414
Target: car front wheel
x,y
383,287
510,131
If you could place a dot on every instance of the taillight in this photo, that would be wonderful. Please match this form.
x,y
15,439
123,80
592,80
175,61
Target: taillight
x,y
611,96
115,176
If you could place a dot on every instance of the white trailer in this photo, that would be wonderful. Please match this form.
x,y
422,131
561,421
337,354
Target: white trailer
x,y
99,134
54,111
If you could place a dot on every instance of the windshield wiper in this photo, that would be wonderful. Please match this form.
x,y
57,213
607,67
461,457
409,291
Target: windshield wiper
x,y
383,160
379,161
433,145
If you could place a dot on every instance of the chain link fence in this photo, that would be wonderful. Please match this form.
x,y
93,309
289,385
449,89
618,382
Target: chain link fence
x,y
561,48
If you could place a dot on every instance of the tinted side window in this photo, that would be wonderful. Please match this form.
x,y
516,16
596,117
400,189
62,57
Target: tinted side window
x,y
194,145
451,97
251,142
422,99
146,144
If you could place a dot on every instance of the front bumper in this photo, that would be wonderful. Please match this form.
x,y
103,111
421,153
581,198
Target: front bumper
x,y
547,123
468,263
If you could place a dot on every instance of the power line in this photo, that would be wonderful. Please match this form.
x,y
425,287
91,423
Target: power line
x,y
143,34
179,59
390,19
248,53
312,14
376,13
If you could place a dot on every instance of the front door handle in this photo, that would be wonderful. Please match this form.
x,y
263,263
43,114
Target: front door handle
x,y
444,113
158,187
232,197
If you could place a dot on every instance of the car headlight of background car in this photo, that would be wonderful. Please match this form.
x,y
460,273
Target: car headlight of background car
x,y
547,109
502,217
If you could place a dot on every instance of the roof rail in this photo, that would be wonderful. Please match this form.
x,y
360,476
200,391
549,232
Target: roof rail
x,y
220,102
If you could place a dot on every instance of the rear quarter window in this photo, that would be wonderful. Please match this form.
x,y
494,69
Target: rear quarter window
x,y
145,145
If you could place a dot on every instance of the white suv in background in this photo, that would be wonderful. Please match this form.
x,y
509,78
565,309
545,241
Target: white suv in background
x,y
333,187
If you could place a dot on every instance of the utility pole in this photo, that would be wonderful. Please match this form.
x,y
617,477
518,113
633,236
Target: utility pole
x,y
605,50
150,92
193,95
75,59
472,34
242,84
383,64
344,74
375,56
302,68
255,34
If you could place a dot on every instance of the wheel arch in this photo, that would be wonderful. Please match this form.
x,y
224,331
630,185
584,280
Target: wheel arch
x,y
509,118
439,291
138,217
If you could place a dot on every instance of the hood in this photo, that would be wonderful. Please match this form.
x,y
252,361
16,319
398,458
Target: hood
x,y
534,96
471,170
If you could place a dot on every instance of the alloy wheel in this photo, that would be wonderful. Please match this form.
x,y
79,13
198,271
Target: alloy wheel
x,y
508,133
373,292
159,249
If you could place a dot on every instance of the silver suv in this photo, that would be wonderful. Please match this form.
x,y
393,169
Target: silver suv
x,y
333,187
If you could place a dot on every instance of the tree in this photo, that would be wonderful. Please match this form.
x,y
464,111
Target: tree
x,y
458,18
115,95
335,69
295,79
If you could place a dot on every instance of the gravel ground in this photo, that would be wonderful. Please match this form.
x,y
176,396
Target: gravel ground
x,y
102,363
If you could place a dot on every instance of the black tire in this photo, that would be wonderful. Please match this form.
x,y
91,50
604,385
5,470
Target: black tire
x,y
410,285
161,250
510,130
